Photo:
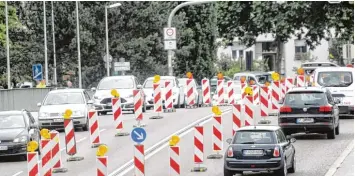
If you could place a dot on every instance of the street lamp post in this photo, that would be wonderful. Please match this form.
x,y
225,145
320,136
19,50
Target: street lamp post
x,y
45,41
54,54
170,52
107,46
7,48
78,41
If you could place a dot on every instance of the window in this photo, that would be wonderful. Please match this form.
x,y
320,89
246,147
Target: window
x,y
64,98
280,137
295,99
116,83
149,83
253,137
234,54
335,79
32,120
300,49
241,54
9,121
87,97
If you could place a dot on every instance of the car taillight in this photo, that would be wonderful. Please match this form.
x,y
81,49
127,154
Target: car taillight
x,y
285,109
325,109
276,152
230,152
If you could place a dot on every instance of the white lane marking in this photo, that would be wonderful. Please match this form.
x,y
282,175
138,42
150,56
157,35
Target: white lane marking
x,y
102,130
78,141
18,173
162,146
332,170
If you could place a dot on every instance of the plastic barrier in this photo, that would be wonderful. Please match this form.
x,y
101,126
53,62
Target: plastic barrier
x,y
56,154
169,97
94,129
174,153
301,82
237,118
190,94
158,106
231,98
248,110
32,159
46,153
275,96
220,92
198,150
138,105
70,141
101,160
139,160
256,96
289,84
206,90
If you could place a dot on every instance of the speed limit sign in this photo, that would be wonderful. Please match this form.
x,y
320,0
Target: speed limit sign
x,y
169,33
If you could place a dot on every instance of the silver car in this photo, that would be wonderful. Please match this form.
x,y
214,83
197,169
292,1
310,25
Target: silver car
x,y
55,103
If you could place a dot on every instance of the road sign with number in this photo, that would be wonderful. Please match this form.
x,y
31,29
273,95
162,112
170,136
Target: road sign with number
x,y
37,73
169,33
122,66
170,44
138,135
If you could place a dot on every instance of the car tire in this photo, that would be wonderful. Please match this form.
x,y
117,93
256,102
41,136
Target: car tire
x,y
144,108
183,105
228,172
86,126
331,134
283,170
337,129
293,168
23,157
177,106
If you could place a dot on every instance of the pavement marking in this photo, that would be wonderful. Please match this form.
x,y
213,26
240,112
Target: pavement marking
x,y
332,170
164,144
102,130
80,140
18,173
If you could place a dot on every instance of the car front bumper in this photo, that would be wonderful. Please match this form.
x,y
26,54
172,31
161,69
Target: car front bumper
x,y
240,165
12,149
150,102
59,122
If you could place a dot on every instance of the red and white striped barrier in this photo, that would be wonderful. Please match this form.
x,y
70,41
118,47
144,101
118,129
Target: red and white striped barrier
x,y
231,98
139,160
264,101
32,164
158,107
237,118
174,160
283,89
168,94
301,82
275,96
220,92
198,142
94,128
56,154
70,141
138,105
117,113
256,94
190,92
46,154
101,164
217,134
206,92
289,84
248,110
243,86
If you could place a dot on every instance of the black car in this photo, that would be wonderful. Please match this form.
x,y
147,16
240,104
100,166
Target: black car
x,y
309,110
17,128
260,149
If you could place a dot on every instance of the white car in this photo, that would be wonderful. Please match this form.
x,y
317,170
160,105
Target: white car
x,y
340,82
178,95
56,102
124,86
196,90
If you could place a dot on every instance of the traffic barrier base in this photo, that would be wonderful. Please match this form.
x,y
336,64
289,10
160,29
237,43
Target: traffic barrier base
x,y
139,124
191,106
59,170
169,110
217,138
199,168
158,116
206,105
75,158
121,134
217,155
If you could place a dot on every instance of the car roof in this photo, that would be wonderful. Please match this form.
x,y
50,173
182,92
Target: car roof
x,y
10,112
67,91
252,73
320,69
119,76
306,63
260,127
307,89
162,77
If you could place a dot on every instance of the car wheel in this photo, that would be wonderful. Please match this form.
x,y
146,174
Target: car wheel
x,y
337,130
331,134
144,108
283,170
183,105
86,126
177,106
293,168
228,172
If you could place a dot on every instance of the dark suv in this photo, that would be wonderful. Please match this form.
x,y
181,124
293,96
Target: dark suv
x,y
309,110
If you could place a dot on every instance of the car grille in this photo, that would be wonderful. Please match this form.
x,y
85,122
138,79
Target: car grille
x,y
54,115
58,123
109,100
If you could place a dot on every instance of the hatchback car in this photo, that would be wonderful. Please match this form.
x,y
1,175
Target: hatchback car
x,y
310,110
260,149
55,103
17,128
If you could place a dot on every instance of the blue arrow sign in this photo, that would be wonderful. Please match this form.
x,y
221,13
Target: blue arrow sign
x,y
37,73
138,135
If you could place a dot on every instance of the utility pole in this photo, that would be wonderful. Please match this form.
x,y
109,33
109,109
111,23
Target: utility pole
x,y
78,41
54,52
45,41
7,48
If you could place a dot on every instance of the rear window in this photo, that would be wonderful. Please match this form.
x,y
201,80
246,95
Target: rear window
x,y
254,137
335,79
305,98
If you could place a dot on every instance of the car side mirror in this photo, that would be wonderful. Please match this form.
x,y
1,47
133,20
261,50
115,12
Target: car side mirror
x,y
293,140
139,86
288,137
229,140
337,101
39,104
32,126
281,101
90,102
93,89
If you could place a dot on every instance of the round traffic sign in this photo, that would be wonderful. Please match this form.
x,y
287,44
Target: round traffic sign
x,y
169,32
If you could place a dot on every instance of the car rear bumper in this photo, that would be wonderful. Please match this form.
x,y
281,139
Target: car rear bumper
x,y
315,127
13,149
50,123
272,164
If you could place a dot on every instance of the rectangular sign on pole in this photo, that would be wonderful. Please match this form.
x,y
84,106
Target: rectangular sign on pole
x,y
37,73
170,33
170,44
122,66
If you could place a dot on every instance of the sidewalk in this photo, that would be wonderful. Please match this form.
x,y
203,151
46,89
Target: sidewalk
x,y
347,167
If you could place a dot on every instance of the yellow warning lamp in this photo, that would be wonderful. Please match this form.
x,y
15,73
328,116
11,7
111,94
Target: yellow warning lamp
x,y
189,75
32,146
300,71
216,110
174,140
156,79
249,91
101,150
114,93
242,79
220,76
267,84
45,133
275,76
67,114
251,82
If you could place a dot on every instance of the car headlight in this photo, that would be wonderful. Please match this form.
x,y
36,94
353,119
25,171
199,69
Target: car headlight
x,y
78,113
43,114
22,139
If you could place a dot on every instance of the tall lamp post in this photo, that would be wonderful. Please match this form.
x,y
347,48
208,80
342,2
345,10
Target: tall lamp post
x,y
78,42
54,54
7,48
107,49
45,41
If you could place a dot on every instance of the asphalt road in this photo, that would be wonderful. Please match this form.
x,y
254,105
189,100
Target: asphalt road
x,y
120,148
315,153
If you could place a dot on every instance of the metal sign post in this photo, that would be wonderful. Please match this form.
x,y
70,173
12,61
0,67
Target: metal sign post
x,y
170,44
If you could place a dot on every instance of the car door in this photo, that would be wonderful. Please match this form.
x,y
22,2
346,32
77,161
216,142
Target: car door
x,y
32,122
87,98
285,145
335,106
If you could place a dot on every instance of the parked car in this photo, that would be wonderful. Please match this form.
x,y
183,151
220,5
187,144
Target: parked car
x,y
260,148
309,67
178,93
260,78
124,85
56,102
196,89
17,128
310,110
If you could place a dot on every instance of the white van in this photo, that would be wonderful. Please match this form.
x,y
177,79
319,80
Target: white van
x,y
340,81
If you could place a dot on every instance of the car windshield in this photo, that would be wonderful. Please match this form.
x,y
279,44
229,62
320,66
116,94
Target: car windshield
x,y
116,83
64,98
182,83
214,80
149,83
335,79
253,137
262,79
295,99
12,121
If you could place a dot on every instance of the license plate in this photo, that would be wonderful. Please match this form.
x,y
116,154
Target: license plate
x,y
253,152
305,120
3,147
109,104
58,120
